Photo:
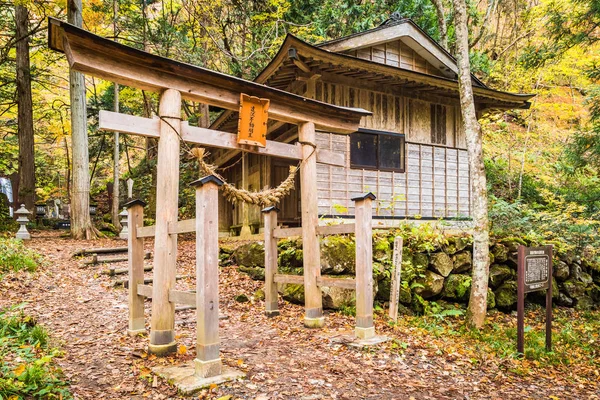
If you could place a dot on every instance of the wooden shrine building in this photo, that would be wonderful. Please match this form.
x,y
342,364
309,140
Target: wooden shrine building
x,y
410,153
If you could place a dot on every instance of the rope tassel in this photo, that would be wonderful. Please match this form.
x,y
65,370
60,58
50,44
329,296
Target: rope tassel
x,y
263,198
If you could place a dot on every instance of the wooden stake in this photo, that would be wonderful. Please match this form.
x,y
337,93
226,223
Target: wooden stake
x,y
364,266
162,334
313,317
395,289
521,300
207,362
271,297
135,255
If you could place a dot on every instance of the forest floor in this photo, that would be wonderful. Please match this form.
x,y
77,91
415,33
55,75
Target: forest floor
x,y
86,316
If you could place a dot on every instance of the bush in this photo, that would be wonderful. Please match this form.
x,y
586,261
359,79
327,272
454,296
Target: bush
x,y
14,256
27,369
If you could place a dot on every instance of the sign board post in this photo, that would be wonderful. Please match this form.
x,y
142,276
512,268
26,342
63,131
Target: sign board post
x,y
395,289
534,273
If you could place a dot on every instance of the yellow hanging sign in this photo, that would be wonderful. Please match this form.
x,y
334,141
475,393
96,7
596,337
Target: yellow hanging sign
x,y
252,125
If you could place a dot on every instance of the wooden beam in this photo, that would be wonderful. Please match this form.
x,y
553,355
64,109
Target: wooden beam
x,y
182,297
184,226
103,58
112,121
293,279
341,229
145,231
144,290
282,233
344,283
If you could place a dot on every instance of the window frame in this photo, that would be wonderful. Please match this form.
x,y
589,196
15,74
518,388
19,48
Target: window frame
x,y
378,133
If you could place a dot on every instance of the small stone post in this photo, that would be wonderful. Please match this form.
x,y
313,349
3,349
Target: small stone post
x,y
208,361
22,219
364,266
135,257
271,297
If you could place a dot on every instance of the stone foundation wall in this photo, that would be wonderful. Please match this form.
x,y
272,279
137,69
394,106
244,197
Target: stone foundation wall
x,y
437,271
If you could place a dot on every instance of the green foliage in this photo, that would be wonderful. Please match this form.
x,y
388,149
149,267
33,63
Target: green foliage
x,y
27,367
557,220
14,256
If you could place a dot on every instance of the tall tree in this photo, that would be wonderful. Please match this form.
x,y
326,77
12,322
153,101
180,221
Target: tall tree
x,y
26,193
115,197
478,300
81,222
441,18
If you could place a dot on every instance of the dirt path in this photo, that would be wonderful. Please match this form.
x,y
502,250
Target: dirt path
x,y
87,317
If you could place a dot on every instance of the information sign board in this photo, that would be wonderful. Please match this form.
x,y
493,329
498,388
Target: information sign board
x,y
252,125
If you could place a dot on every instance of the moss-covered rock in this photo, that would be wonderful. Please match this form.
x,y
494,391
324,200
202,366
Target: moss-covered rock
x,y
382,249
500,253
335,298
256,273
506,295
457,287
291,292
430,285
250,255
441,263
586,278
498,274
561,270
259,295
462,261
290,258
584,303
564,300
573,288
405,295
338,255
241,298
420,261
456,244
491,299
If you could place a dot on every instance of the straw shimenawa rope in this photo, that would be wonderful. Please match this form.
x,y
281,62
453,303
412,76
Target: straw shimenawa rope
x,y
263,198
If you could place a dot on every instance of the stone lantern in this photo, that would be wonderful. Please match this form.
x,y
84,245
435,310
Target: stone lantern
x,y
22,219
125,230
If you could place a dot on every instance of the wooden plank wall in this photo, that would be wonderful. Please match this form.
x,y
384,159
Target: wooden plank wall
x,y
397,54
437,184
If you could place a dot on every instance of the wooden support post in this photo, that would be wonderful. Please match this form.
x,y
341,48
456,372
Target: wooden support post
x,y
207,362
313,317
135,246
271,297
162,334
364,266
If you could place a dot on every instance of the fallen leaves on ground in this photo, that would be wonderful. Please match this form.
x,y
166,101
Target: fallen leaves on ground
x,y
87,316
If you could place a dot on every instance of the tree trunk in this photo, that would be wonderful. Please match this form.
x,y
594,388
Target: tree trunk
x,y
26,194
478,300
115,194
441,17
81,223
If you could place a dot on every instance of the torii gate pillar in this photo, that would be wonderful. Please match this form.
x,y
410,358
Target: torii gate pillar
x,y
162,333
313,317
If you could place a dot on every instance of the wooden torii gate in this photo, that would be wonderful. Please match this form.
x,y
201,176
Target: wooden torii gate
x,y
106,59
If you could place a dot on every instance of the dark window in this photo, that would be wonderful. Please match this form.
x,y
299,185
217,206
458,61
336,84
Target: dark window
x,y
377,150
438,124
